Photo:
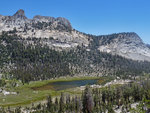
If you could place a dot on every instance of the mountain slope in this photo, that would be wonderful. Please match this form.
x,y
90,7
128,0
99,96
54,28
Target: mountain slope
x,y
47,47
38,62
58,29
61,35
128,45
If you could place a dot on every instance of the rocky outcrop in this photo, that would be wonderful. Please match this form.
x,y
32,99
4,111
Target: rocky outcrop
x,y
43,18
128,45
19,21
59,29
19,14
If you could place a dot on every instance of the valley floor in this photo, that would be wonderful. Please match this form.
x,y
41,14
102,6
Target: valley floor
x,y
26,95
35,92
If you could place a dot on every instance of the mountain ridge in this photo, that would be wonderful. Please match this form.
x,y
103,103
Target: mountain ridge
x,y
60,30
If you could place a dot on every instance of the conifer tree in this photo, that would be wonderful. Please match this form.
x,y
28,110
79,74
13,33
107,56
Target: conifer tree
x,y
61,104
88,103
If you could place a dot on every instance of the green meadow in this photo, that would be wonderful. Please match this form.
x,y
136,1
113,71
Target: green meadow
x,y
26,94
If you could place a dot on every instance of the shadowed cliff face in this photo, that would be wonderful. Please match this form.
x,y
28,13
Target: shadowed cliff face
x,y
63,36
20,14
148,46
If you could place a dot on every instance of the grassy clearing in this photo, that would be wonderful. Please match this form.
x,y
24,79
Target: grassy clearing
x,y
26,95
104,80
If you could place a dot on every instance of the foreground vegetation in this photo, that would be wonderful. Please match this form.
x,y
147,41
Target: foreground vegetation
x,y
95,100
26,95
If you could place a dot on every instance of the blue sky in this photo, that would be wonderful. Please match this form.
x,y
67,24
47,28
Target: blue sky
x,y
90,16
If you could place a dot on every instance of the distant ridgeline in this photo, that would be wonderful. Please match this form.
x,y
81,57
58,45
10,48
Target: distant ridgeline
x,y
46,47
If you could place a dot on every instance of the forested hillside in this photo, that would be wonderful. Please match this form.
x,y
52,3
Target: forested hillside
x,y
33,61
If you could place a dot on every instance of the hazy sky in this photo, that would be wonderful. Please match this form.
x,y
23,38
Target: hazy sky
x,y
90,16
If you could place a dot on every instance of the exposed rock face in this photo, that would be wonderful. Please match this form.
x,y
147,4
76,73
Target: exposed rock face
x,y
62,35
43,18
59,29
128,45
64,22
20,20
20,14
148,46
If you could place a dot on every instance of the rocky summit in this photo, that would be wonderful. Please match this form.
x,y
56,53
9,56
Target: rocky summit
x,y
20,14
62,36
